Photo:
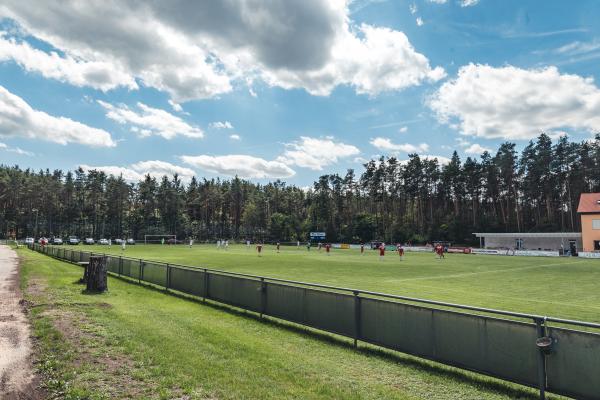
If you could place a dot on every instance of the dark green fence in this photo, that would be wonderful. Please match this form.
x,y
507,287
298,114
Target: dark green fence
x,y
501,344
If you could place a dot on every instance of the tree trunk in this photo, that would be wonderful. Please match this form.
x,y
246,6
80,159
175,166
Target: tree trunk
x,y
96,274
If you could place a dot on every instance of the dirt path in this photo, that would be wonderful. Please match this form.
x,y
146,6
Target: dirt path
x,y
17,380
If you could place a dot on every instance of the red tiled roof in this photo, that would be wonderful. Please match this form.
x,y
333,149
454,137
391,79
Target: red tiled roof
x,y
589,203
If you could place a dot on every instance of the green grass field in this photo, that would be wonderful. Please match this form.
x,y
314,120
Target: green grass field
x,y
559,287
135,342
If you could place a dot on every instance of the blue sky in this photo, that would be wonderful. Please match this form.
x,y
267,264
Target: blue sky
x,y
289,90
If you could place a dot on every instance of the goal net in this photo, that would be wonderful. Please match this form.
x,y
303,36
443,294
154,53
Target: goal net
x,y
160,239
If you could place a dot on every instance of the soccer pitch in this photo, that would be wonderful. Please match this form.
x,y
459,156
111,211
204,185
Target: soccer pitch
x,y
559,287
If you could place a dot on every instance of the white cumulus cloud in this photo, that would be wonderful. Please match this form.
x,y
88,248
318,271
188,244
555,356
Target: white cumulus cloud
x,y
468,3
477,149
18,119
514,103
96,74
386,144
175,106
196,50
244,166
220,125
316,153
136,172
147,121
382,60
235,136
17,150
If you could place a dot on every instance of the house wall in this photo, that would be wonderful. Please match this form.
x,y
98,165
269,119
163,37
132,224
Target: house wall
x,y
588,233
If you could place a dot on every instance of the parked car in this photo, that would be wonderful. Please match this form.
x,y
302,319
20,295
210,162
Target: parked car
x,y
73,240
103,241
118,241
42,240
57,241
29,240
88,241
130,241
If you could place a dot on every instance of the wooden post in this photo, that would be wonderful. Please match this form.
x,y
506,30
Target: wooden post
x,y
96,274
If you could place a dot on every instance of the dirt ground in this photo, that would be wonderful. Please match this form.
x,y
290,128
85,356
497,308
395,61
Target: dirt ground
x,y
17,378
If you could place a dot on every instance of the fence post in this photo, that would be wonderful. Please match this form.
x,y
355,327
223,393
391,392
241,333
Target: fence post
x,y
205,285
263,296
141,271
168,283
120,265
356,317
541,332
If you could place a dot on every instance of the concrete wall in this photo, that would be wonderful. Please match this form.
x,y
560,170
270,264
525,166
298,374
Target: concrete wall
x,y
587,254
530,243
588,234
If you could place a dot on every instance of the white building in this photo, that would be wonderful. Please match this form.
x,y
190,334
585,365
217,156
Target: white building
x,y
531,241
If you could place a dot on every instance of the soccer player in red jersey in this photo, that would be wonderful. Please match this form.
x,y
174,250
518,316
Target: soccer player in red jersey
x,y
400,251
362,249
259,248
439,249
327,248
278,247
381,251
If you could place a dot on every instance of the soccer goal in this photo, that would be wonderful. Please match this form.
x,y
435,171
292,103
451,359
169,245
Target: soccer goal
x,y
159,239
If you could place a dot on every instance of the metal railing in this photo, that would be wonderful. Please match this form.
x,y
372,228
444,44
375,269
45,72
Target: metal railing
x,y
524,349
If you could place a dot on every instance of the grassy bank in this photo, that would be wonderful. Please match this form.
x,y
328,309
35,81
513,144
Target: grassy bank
x,y
137,342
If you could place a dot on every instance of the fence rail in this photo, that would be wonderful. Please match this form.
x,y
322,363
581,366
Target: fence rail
x,y
484,341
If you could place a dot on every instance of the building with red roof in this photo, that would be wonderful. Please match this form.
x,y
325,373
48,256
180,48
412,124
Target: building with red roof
x,y
589,210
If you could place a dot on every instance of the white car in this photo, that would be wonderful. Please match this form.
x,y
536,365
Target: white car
x,y
88,241
103,241
118,241
29,240
57,241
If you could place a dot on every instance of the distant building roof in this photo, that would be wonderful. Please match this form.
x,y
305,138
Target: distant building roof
x,y
589,203
529,234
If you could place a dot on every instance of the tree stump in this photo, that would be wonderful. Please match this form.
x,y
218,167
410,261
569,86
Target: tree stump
x,y
95,274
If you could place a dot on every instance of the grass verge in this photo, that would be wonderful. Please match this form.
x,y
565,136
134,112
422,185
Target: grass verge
x,y
140,343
